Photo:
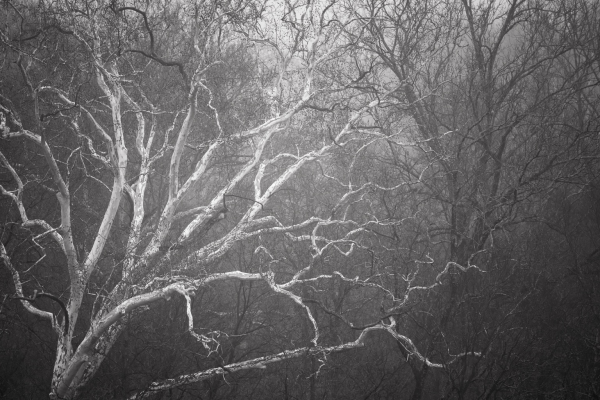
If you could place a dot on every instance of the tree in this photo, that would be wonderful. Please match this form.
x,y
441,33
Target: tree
x,y
491,89
169,133
193,191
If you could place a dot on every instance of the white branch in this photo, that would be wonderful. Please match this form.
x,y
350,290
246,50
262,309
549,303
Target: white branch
x,y
298,300
114,97
260,363
19,291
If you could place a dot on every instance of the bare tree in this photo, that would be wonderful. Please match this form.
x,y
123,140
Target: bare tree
x,y
490,89
177,128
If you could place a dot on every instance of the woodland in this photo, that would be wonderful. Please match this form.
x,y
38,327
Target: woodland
x,y
300,199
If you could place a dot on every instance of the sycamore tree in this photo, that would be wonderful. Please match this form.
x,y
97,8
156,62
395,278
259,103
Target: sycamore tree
x,y
161,136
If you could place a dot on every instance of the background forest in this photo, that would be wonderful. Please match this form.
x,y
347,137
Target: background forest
x,y
258,199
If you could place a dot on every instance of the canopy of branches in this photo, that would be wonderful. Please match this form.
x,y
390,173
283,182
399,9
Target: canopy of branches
x,y
299,199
